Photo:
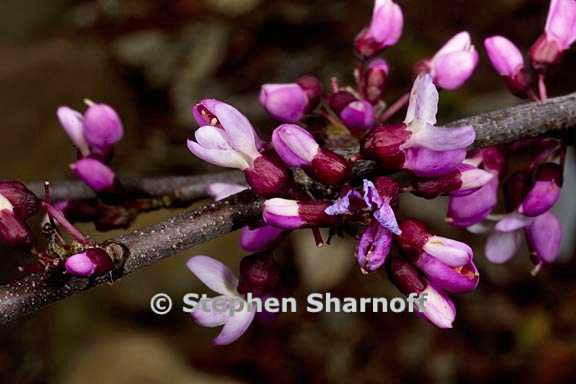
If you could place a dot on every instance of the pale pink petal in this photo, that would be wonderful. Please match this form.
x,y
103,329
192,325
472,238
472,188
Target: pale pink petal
x,y
423,105
214,275
73,123
513,221
240,133
223,158
206,316
235,327
459,42
502,246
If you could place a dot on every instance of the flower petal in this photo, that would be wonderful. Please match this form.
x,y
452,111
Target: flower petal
x,y
342,205
442,139
220,191
213,274
211,137
205,315
387,219
371,196
459,42
240,133
235,327
513,221
223,158
501,246
423,104
73,123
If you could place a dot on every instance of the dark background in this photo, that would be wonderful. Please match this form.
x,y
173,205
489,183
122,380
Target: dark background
x,y
152,60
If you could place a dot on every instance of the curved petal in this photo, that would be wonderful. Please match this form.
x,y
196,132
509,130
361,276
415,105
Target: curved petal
x,y
423,105
213,274
513,221
451,252
442,139
211,137
428,163
73,123
206,316
223,158
260,239
235,327
501,246
240,133
452,70
387,219
459,42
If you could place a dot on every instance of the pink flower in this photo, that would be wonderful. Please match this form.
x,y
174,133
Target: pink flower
x,y
384,30
507,59
220,279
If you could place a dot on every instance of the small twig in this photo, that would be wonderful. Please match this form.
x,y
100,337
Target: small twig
x,y
394,108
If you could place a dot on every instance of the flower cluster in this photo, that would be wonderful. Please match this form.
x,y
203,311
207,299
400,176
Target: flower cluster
x,y
94,135
430,161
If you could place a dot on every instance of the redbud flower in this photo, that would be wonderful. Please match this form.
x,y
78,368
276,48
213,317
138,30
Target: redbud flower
x,y
374,247
297,148
357,115
418,145
437,307
545,191
17,204
416,238
260,239
464,180
289,102
259,275
454,63
459,279
229,140
464,211
506,238
221,280
384,30
544,237
374,80
559,34
292,214
95,174
509,63
377,197
97,131
92,262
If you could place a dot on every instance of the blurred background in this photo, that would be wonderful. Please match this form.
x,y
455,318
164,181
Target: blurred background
x,y
151,59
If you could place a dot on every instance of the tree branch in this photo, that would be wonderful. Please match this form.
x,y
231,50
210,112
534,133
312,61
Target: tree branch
x,y
145,247
183,188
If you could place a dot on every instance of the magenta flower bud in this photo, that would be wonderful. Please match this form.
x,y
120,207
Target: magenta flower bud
x,y
260,239
428,163
313,88
437,307
259,275
463,181
284,102
418,145
454,63
384,30
509,63
102,127
297,148
544,237
374,80
94,174
13,230
416,238
545,191
268,177
73,123
374,247
92,262
23,201
358,117
460,279
292,214
464,211
559,34
226,137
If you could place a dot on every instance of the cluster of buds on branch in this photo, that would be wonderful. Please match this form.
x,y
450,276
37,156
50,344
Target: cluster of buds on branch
x,y
437,161
323,133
